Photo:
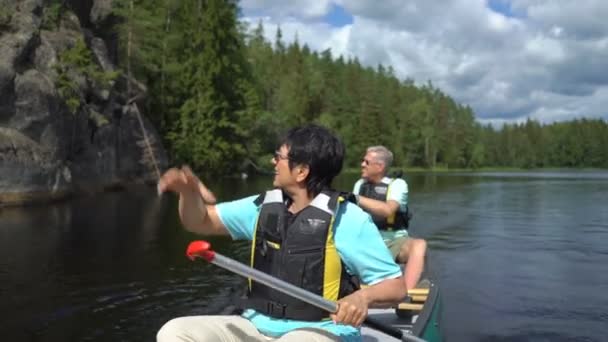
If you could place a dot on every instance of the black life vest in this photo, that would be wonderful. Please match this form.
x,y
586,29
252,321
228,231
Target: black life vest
x,y
302,253
379,191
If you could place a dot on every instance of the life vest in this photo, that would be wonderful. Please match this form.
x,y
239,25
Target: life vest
x,y
379,191
302,253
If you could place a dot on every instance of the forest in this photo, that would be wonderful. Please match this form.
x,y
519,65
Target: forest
x,y
220,94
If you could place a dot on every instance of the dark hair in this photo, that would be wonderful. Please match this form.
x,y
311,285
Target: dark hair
x,y
321,150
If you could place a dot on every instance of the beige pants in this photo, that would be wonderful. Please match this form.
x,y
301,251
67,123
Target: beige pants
x,y
230,329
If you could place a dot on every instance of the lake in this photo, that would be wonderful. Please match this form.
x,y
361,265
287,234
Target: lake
x,y
518,256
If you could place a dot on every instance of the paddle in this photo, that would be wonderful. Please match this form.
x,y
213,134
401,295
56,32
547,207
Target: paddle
x,y
203,250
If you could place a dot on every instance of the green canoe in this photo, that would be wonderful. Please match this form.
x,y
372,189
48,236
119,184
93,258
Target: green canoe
x,y
419,318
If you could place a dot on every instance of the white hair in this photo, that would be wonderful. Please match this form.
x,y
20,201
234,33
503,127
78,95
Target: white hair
x,y
384,155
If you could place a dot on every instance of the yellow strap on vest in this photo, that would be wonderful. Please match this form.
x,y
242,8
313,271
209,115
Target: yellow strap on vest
x,y
255,232
391,219
273,244
333,265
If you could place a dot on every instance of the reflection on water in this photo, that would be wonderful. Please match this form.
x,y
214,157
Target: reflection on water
x,y
518,256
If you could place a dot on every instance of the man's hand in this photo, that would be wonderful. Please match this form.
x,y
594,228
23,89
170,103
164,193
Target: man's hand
x,y
184,181
352,309
174,180
196,203
376,207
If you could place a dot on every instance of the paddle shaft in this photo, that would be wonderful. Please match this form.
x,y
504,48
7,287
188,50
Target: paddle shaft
x,y
301,294
275,283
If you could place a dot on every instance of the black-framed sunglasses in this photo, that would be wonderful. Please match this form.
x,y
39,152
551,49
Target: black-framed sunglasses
x,y
367,162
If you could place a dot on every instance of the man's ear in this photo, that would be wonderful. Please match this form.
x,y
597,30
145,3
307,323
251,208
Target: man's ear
x,y
302,172
384,169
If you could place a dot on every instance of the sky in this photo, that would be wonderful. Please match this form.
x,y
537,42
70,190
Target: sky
x,y
509,60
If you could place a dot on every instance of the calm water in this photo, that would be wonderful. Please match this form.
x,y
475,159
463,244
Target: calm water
x,y
519,257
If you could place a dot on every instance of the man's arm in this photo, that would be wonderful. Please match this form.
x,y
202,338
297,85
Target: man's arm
x,y
386,291
397,197
379,208
195,214
365,255
199,217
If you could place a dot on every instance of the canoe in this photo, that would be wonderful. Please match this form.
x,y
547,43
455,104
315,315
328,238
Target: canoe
x,y
419,318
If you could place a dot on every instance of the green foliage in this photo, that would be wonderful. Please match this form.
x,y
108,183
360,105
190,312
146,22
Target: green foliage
x,y
142,23
578,143
78,60
221,95
98,119
79,56
209,128
6,14
68,90
52,15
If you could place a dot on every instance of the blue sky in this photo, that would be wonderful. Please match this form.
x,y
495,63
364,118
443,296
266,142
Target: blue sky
x,y
501,6
508,59
338,16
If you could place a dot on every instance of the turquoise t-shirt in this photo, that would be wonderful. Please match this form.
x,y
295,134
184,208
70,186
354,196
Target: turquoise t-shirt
x,y
359,245
397,191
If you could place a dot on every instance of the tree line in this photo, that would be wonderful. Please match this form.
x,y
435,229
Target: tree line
x,y
220,94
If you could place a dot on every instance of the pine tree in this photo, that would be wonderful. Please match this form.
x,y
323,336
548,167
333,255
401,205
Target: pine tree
x,y
207,133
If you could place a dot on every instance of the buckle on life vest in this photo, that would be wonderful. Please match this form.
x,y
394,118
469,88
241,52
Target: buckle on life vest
x,y
264,248
275,309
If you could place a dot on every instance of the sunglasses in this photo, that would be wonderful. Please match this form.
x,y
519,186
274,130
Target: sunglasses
x,y
278,156
367,162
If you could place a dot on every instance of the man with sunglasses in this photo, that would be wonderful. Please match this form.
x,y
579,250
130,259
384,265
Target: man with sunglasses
x,y
302,232
385,199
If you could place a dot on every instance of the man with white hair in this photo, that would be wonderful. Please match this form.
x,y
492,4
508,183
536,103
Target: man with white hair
x,y
385,199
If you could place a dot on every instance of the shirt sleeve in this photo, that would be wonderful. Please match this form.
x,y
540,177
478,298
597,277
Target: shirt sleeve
x,y
357,186
398,191
239,217
362,248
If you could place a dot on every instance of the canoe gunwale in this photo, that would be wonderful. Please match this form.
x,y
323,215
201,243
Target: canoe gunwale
x,y
424,317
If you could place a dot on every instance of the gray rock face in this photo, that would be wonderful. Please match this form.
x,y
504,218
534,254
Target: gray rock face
x,y
16,42
29,173
48,149
100,11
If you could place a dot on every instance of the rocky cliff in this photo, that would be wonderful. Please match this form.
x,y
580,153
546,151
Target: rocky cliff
x,y
67,123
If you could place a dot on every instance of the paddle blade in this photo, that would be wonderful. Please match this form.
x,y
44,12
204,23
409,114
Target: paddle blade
x,y
201,249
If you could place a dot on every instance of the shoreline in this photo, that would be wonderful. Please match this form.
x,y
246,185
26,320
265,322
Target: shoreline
x,y
418,169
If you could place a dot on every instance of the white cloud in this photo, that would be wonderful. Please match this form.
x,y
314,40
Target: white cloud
x,y
334,38
546,49
283,9
582,18
547,62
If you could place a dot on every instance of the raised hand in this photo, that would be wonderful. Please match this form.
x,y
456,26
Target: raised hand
x,y
207,195
174,180
183,180
196,202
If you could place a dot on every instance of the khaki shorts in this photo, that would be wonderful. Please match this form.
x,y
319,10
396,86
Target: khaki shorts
x,y
395,245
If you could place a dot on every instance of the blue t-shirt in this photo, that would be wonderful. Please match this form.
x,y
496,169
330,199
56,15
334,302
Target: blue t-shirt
x,y
359,245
